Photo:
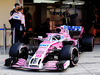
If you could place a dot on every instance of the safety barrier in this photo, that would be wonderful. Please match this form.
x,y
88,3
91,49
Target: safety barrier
x,y
5,31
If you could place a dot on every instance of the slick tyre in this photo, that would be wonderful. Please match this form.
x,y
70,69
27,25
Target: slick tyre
x,y
71,53
87,42
19,50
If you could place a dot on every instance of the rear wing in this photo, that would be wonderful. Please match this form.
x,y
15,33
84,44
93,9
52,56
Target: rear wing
x,y
74,28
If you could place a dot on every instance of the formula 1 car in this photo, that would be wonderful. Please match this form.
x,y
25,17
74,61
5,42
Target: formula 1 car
x,y
57,51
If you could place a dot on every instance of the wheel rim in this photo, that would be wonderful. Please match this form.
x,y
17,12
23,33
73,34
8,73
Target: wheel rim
x,y
75,56
23,53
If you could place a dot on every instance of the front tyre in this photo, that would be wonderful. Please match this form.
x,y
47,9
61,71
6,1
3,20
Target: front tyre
x,y
19,50
71,53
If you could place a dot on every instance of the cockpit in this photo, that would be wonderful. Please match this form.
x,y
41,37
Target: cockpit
x,y
55,37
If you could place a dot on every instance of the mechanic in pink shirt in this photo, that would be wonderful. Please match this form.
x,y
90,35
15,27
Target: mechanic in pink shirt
x,y
18,21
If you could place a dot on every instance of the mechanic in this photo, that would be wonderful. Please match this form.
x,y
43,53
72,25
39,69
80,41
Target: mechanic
x,y
66,17
16,6
97,20
18,21
28,19
45,27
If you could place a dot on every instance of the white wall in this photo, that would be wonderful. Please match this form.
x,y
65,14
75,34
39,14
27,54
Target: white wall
x,y
5,7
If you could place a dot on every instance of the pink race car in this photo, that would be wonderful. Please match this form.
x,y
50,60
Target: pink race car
x,y
57,51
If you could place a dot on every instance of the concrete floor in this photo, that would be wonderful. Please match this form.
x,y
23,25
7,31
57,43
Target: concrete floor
x,y
89,64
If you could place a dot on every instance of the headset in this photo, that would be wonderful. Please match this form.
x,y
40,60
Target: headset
x,y
14,7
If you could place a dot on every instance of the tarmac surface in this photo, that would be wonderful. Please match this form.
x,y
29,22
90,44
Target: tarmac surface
x,y
89,64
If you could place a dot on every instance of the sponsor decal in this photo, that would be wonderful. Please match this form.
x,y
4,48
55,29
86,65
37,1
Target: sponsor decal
x,y
73,28
44,45
38,56
16,17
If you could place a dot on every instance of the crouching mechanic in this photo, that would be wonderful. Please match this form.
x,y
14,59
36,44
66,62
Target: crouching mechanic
x,y
18,21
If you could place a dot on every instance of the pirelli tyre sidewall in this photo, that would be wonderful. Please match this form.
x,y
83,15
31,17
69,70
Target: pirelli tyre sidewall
x,y
87,42
19,50
70,52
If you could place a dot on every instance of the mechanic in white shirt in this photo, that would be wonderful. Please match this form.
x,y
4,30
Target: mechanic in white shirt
x,y
18,21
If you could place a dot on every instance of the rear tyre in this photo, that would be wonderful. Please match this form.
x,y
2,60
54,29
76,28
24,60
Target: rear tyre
x,y
71,53
87,42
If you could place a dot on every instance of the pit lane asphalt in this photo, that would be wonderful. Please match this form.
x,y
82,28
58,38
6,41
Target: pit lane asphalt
x,y
89,64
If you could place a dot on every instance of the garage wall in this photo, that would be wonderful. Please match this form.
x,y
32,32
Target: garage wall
x,y
5,7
